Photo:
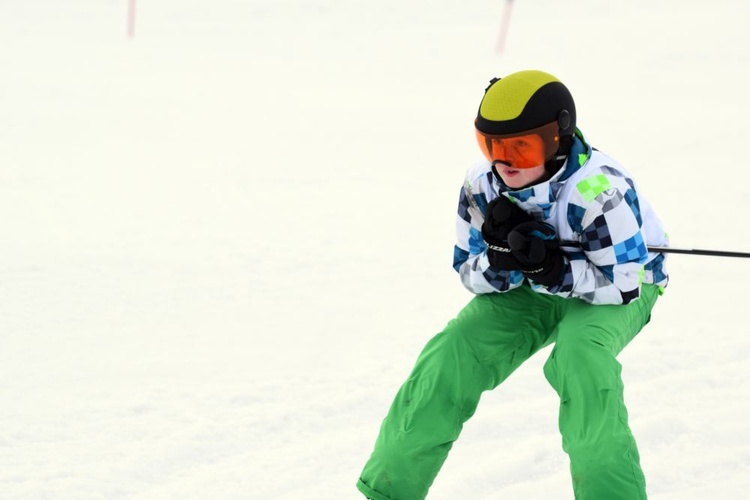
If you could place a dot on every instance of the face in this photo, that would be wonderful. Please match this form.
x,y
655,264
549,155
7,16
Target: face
x,y
519,160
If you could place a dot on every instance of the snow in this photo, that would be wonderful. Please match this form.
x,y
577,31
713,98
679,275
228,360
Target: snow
x,y
226,240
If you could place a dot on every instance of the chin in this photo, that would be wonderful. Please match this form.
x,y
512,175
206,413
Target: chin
x,y
515,183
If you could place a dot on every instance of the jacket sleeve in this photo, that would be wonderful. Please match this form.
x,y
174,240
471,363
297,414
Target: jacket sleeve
x,y
470,252
605,213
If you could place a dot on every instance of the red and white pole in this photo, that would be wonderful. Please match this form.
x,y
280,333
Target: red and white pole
x,y
131,19
504,27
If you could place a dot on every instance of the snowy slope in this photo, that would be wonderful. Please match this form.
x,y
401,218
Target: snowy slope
x,y
226,240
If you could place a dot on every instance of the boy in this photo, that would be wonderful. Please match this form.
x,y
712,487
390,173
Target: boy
x,y
541,184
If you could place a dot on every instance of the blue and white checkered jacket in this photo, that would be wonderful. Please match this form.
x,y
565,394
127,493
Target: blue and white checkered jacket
x,y
592,200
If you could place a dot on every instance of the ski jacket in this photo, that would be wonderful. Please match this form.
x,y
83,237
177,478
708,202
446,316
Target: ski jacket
x,y
592,200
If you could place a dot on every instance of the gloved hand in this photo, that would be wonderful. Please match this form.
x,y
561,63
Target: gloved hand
x,y
536,248
501,217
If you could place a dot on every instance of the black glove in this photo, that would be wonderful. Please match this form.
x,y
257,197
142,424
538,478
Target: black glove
x,y
536,248
501,217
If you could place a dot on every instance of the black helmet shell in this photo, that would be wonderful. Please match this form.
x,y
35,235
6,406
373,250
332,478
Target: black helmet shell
x,y
526,100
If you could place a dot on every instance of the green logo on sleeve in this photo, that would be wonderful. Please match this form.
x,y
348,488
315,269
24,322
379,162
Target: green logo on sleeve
x,y
593,186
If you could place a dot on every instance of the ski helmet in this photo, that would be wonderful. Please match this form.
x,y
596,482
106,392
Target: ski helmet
x,y
530,104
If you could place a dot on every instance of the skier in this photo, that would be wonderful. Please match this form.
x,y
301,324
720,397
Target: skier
x,y
541,184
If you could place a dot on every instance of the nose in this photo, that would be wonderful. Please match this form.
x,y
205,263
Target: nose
x,y
501,162
503,152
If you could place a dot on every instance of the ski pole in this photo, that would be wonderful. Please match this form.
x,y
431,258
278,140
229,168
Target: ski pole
x,y
687,251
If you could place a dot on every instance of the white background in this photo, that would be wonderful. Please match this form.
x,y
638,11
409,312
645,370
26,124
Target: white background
x,y
225,241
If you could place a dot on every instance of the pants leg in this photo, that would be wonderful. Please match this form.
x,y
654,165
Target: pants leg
x,y
479,349
593,420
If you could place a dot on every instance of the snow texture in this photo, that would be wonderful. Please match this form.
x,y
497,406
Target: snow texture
x,y
226,240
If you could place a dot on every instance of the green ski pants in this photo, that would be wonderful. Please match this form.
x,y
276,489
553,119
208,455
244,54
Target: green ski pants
x,y
491,337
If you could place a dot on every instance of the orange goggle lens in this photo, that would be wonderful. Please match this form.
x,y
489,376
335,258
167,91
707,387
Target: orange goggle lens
x,y
528,150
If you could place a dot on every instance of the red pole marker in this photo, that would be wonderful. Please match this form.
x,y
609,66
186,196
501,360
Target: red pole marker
x,y
504,27
131,19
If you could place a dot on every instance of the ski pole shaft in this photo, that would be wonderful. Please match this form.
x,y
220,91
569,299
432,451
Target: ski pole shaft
x,y
687,251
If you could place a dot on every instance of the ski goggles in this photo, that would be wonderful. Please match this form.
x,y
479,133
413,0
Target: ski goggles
x,y
529,149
